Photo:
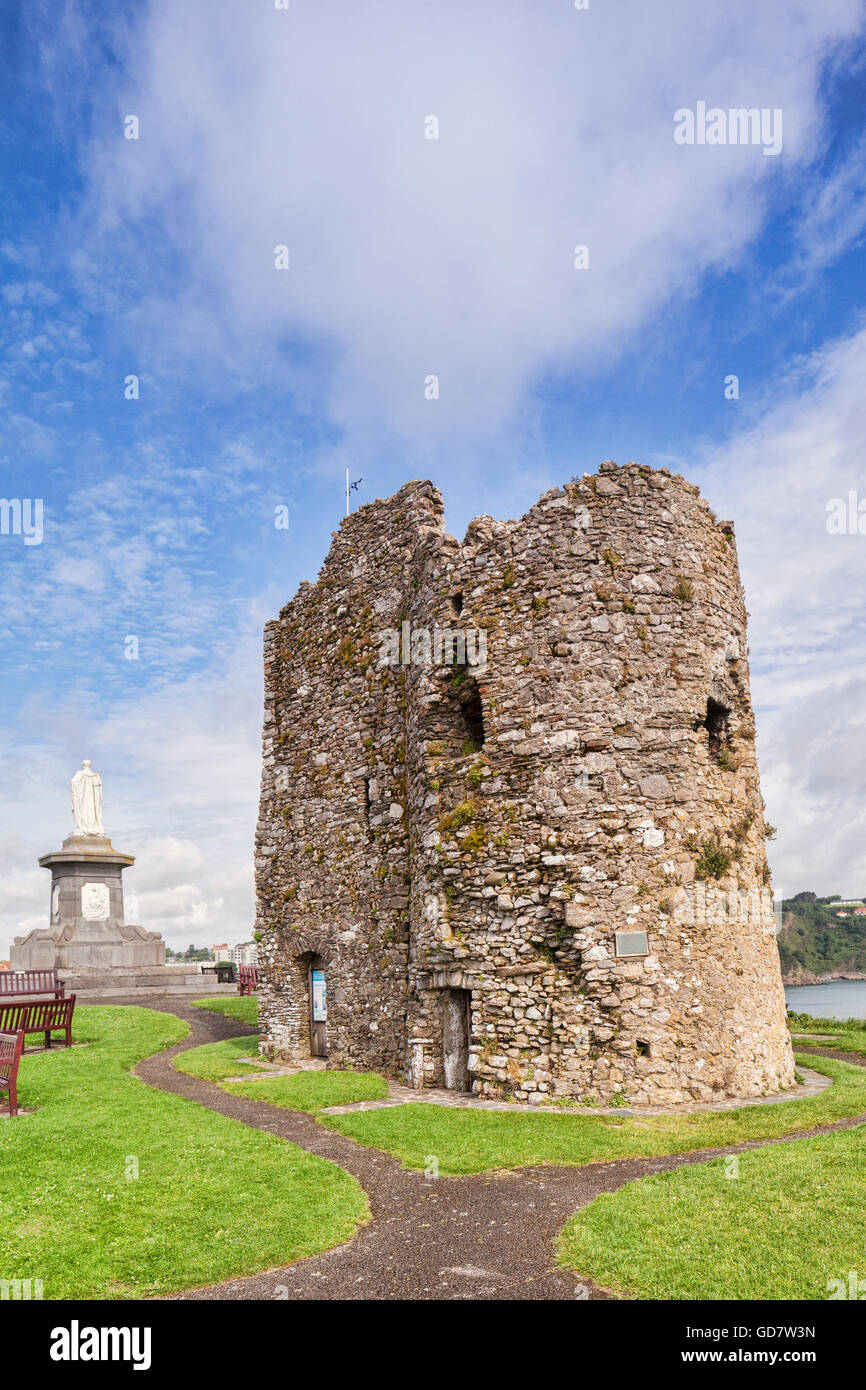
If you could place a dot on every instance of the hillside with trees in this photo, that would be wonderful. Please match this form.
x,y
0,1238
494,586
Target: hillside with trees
x,y
816,944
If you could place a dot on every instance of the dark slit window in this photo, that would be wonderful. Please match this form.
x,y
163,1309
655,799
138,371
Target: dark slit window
x,y
718,725
472,711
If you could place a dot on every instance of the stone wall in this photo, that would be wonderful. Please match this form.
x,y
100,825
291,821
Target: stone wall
x,y
449,834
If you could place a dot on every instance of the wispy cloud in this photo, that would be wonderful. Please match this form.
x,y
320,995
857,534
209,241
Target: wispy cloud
x,y
451,256
832,221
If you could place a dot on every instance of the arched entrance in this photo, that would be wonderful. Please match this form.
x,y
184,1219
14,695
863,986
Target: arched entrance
x,y
317,994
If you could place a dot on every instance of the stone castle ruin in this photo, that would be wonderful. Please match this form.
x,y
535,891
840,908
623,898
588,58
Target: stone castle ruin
x,y
511,835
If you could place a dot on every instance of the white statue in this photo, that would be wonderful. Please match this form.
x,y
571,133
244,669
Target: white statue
x,y
87,800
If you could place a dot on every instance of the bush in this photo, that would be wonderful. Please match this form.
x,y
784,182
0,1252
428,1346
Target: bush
x,y
463,814
713,861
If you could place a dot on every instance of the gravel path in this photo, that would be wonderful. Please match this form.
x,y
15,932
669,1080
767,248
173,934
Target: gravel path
x,y
490,1236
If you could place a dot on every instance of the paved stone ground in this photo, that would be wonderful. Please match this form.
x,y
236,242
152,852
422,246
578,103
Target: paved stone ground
x,y
485,1237
813,1084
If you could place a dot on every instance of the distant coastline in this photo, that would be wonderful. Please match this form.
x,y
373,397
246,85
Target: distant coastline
x,y
822,940
799,976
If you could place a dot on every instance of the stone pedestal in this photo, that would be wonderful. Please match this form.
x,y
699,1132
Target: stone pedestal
x,y
88,930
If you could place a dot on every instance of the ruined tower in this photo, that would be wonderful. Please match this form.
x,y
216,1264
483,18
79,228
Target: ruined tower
x,y
510,813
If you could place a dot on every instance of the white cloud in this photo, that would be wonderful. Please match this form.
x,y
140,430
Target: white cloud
x,y
833,220
451,256
804,589
18,292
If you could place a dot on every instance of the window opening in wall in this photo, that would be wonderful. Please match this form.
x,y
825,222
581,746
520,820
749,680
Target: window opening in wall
x,y
472,711
456,604
717,725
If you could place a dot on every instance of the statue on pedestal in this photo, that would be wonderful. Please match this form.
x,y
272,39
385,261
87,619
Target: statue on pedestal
x,y
87,800
87,929
88,937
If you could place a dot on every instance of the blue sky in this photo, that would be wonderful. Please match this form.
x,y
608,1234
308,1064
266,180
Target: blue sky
x,y
408,256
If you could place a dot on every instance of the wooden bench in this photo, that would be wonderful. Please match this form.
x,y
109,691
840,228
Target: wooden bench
x,y
39,1016
11,1047
17,982
248,977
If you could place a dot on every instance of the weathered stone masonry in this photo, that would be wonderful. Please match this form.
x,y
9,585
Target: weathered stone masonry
x,y
459,846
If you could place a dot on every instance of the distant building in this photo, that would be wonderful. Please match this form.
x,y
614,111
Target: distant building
x,y
246,953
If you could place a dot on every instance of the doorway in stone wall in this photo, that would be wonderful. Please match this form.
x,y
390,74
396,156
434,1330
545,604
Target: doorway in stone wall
x,y
456,1021
317,993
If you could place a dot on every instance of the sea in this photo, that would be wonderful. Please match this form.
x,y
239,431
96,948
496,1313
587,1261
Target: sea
x,y
836,999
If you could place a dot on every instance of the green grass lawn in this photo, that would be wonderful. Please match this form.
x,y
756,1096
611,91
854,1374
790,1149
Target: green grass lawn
x,y
793,1219
808,1023
845,1034
244,1009
846,1042
311,1090
477,1141
304,1090
211,1199
213,1061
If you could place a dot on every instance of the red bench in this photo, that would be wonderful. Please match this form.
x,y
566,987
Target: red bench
x,y
11,1047
248,977
19,982
39,1016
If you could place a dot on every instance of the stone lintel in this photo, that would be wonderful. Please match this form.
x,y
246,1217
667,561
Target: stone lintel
x,y
447,979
